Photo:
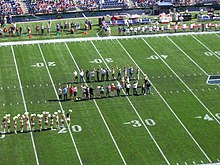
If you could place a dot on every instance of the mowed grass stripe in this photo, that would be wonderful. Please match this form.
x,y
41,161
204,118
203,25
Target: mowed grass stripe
x,y
94,142
24,103
174,62
9,89
162,153
142,56
12,144
113,139
217,56
60,104
207,93
195,95
131,141
211,92
126,60
48,142
199,53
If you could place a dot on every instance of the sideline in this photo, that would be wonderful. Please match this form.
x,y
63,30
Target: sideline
x,y
102,38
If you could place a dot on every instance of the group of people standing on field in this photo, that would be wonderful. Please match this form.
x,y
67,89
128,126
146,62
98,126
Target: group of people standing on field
x,y
27,122
123,77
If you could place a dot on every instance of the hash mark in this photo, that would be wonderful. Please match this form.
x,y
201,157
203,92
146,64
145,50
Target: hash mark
x,y
202,161
185,163
194,162
127,123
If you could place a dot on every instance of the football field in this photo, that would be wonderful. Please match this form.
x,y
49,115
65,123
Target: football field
x,y
178,123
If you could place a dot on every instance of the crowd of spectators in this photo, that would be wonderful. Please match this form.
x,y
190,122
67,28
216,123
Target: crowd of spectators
x,y
10,7
50,6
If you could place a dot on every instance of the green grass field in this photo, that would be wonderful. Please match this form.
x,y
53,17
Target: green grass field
x,y
177,124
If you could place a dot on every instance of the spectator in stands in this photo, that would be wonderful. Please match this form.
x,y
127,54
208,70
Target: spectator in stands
x,y
1,32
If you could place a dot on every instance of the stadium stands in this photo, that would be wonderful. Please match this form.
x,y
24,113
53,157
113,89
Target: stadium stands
x,y
10,7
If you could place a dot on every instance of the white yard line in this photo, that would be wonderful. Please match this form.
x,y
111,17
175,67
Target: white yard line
x,y
61,107
99,38
217,35
205,46
24,102
136,111
189,58
182,82
168,106
113,139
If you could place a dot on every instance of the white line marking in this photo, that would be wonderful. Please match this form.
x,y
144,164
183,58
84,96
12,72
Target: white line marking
x,y
136,111
51,79
191,58
100,38
168,106
183,82
205,46
188,56
99,110
24,102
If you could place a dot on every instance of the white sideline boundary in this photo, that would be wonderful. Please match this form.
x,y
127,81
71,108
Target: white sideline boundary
x,y
51,79
103,119
101,38
24,102
135,110
168,105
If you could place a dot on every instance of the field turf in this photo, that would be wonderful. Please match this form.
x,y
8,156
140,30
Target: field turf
x,y
178,123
